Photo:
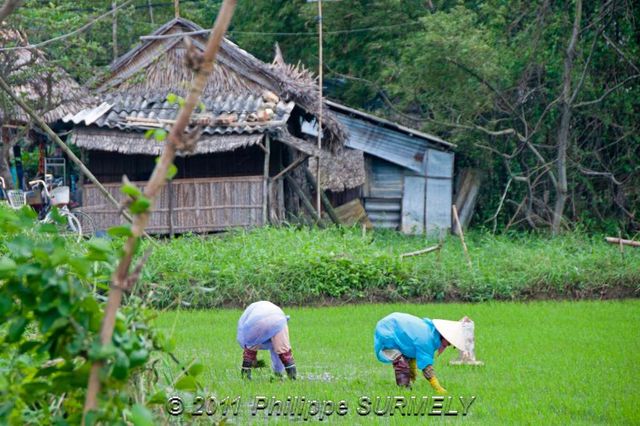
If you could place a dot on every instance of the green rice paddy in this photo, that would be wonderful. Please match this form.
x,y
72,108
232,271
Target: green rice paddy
x,y
545,363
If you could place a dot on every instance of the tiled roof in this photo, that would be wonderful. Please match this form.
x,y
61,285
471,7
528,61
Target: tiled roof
x,y
120,111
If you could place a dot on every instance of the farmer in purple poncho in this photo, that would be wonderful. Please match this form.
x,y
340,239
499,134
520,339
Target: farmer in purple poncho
x,y
263,325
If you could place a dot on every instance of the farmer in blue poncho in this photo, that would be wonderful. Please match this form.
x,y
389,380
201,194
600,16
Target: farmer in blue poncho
x,y
405,340
263,325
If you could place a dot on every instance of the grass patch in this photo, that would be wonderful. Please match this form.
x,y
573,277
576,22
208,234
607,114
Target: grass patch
x,y
545,362
310,266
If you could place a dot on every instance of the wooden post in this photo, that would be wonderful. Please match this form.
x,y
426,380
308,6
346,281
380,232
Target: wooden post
x,y
461,234
170,207
176,8
325,200
305,201
265,183
620,241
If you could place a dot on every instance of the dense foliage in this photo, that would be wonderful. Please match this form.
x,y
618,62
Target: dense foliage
x,y
50,316
542,96
302,266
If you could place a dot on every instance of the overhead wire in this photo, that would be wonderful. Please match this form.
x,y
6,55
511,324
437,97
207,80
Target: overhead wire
x,y
128,2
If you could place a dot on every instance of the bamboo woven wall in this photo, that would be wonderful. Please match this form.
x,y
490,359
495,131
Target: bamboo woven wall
x,y
198,205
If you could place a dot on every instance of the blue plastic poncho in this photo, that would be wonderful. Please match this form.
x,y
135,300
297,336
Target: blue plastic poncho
x,y
414,337
258,324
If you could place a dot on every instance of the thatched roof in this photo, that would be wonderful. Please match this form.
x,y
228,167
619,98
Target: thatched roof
x,y
136,142
156,66
48,88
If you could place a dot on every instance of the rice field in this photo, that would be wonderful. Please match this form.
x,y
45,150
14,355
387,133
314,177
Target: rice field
x,y
545,363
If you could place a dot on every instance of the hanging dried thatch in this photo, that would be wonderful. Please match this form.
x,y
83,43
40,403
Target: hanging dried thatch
x,y
48,88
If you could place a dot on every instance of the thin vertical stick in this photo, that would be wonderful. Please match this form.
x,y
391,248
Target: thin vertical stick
x,y
150,6
121,281
176,8
318,196
265,183
114,29
464,245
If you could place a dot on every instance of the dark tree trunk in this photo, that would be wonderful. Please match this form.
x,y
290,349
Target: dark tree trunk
x,y
565,123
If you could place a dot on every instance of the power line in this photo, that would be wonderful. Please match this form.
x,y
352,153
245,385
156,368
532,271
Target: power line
x,y
314,33
202,32
67,35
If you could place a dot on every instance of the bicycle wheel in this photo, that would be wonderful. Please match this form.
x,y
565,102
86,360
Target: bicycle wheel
x,y
69,226
86,223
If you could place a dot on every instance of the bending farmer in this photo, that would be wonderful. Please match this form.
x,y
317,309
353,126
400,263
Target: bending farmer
x,y
263,325
405,340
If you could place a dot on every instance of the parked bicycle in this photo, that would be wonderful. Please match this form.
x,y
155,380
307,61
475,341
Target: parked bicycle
x,y
46,195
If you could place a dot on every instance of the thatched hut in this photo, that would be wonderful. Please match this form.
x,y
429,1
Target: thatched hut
x,y
249,137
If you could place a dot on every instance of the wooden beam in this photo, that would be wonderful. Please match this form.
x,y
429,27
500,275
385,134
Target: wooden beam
x,y
325,200
613,240
305,201
290,167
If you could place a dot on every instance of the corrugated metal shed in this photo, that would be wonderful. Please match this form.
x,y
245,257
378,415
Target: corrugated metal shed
x,y
409,173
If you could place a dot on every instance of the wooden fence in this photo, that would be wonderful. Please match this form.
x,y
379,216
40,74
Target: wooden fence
x,y
188,205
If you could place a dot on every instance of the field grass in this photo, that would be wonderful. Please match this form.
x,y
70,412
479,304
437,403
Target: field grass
x,y
545,362
310,266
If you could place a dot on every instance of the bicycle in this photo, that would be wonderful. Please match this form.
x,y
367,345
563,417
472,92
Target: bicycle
x,y
43,201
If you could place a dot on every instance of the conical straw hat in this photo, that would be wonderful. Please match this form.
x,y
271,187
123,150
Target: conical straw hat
x,y
452,331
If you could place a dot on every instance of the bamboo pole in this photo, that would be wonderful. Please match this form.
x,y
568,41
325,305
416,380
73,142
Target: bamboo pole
x,y
613,240
121,279
461,234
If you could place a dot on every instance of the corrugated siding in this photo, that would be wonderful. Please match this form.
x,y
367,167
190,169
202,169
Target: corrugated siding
x,y
384,201
398,148
439,164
